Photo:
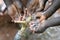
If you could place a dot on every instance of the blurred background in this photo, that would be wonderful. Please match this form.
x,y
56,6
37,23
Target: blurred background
x,y
8,30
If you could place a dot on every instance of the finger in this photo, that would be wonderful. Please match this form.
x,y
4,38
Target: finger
x,y
42,4
42,18
33,30
38,14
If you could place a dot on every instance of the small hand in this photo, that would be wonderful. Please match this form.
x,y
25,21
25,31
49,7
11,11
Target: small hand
x,y
37,29
42,17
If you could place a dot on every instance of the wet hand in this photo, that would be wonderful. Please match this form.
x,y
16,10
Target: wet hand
x,y
40,28
42,17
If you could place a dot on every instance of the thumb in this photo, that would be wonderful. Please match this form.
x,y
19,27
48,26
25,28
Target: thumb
x,y
42,18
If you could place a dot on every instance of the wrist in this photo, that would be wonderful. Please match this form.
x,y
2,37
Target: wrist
x,y
41,28
45,15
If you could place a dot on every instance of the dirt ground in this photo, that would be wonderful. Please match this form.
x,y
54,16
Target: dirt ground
x,y
7,29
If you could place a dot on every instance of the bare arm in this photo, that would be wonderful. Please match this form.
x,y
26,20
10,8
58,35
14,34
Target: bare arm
x,y
52,8
49,23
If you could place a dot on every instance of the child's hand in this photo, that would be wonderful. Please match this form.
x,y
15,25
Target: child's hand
x,y
42,17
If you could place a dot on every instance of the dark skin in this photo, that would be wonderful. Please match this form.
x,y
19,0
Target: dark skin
x,y
42,5
31,5
46,14
14,8
20,6
48,23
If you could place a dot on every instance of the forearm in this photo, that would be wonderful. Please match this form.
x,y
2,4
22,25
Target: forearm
x,y
52,22
42,5
18,5
49,23
8,2
42,2
52,8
